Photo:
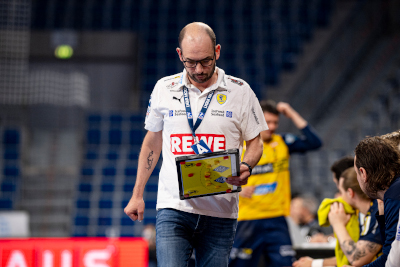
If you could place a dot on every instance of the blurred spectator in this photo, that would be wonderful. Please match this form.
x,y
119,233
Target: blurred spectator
x,y
149,233
340,166
303,211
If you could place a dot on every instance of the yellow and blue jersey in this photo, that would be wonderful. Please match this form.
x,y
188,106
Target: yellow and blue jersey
x,y
271,176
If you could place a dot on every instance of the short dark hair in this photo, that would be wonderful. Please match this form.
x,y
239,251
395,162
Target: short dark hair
x,y
341,165
269,106
381,160
208,30
350,181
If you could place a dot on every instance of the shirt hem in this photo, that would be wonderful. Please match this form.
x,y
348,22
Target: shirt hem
x,y
197,211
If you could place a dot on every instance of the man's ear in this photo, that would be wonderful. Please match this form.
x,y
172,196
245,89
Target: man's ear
x,y
363,173
350,192
179,51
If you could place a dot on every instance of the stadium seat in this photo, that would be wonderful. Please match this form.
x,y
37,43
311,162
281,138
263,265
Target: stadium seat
x,y
127,231
115,137
149,220
80,231
81,220
151,204
130,171
11,137
6,204
10,154
87,171
136,119
151,188
83,204
107,187
93,137
109,171
125,220
135,137
112,155
128,187
11,171
105,204
133,155
8,186
92,155
104,221
94,120
116,120
84,187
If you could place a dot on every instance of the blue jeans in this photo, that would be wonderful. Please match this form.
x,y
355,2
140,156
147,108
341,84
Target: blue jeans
x,y
178,233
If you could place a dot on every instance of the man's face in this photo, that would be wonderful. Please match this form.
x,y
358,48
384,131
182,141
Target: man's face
x,y
296,210
273,122
196,51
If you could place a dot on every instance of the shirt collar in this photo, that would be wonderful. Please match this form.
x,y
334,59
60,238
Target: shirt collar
x,y
219,85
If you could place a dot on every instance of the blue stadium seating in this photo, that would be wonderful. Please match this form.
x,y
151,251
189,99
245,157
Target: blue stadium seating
x,y
10,154
94,136
11,171
11,137
81,220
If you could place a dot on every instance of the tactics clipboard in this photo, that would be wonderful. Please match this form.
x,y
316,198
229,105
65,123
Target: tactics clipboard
x,y
205,174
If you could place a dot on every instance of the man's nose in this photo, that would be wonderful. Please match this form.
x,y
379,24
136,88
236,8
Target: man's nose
x,y
198,68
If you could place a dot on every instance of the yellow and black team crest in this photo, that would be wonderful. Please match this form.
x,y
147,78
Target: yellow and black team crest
x,y
221,98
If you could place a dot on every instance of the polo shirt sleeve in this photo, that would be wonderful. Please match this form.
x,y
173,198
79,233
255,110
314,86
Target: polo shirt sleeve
x,y
154,121
253,121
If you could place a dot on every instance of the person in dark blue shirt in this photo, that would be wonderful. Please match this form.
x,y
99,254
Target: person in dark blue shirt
x,y
377,164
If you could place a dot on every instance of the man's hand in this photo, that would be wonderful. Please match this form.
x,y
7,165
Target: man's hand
x,y
285,109
135,209
303,262
292,114
247,191
337,215
242,179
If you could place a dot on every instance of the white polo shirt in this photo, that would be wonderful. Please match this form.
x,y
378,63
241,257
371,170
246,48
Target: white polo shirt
x,y
233,115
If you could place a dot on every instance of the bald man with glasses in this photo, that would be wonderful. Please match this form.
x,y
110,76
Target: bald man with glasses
x,y
201,105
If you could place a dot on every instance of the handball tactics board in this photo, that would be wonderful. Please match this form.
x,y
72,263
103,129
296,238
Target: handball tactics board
x,y
205,174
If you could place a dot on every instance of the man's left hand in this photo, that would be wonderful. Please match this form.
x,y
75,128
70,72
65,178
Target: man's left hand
x,y
337,214
242,179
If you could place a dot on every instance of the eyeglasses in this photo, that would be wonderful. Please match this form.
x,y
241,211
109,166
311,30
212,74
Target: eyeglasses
x,y
207,62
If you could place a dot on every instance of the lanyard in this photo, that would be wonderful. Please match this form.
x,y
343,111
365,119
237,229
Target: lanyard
x,y
189,114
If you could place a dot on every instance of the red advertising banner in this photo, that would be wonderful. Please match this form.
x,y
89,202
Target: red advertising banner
x,y
73,252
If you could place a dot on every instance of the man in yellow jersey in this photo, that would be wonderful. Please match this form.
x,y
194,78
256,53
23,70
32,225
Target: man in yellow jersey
x,y
265,200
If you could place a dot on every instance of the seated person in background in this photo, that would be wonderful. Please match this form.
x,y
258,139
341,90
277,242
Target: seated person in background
x,y
303,211
369,244
339,166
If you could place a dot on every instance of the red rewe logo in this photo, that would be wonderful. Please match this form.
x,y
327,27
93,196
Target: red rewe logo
x,y
181,143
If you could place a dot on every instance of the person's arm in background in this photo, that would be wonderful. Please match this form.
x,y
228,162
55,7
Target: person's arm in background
x,y
148,158
357,253
252,155
309,140
310,262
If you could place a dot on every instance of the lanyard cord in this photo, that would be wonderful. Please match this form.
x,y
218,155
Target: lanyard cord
x,y
189,113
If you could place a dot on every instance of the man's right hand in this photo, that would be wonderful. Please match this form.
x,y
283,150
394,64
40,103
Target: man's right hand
x,y
135,209
303,262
